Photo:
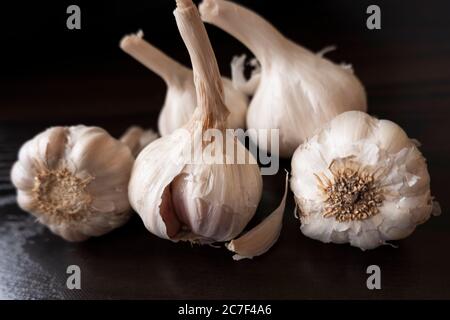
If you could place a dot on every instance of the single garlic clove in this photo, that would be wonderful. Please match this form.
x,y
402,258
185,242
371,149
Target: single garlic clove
x,y
147,137
132,138
154,170
299,91
180,100
198,194
261,238
74,180
137,138
361,181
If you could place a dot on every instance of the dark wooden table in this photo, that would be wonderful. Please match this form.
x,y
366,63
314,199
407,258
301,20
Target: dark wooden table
x,y
406,70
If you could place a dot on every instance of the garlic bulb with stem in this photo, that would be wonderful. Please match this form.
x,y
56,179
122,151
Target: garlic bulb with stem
x,y
298,91
361,181
202,202
74,180
180,100
212,199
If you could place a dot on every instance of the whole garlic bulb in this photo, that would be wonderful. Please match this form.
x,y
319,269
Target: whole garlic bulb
x,y
180,99
74,180
360,180
205,201
298,91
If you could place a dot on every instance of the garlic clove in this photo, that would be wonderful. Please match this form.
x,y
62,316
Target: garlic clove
x,y
132,138
391,136
137,138
227,213
261,238
299,91
23,179
26,201
152,173
147,137
180,100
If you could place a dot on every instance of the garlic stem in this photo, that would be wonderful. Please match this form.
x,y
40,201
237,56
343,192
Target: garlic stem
x,y
170,70
248,27
208,83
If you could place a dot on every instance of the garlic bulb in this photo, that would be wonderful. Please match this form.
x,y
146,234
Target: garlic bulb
x,y
360,180
204,201
180,99
298,90
74,180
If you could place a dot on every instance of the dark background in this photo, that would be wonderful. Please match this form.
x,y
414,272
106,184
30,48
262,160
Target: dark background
x,y
50,75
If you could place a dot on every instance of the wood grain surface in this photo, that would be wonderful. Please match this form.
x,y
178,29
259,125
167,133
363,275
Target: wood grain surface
x,y
406,70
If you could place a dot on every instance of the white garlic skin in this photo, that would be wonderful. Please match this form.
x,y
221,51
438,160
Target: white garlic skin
x,y
183,186
209,202
298,91
180,103
381,145
299,99
80,153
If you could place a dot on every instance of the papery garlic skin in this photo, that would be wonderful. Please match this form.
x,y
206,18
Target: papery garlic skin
x,y
298,91
74,180
205,202
262,237
201,201
137,138
380,153
181,100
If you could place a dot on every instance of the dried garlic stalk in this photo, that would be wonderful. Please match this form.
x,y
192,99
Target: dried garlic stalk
x,y
180,99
